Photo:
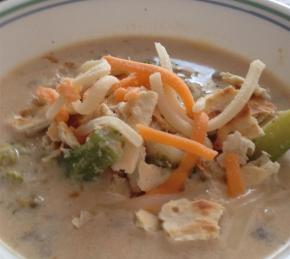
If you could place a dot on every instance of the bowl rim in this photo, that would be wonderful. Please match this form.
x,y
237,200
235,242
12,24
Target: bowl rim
x,y
17,9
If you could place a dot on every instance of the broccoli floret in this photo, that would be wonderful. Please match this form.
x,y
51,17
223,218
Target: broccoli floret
x,y
102,149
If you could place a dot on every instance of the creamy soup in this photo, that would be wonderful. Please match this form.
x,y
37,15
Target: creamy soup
x,y
36,215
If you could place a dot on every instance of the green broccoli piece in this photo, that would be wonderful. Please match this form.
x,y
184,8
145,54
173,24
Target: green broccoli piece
x,y
276,140
8,155
102,149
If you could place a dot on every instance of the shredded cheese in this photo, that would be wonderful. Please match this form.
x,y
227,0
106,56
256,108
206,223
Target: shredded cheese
x,y
173,116
129,133
240,100
95,95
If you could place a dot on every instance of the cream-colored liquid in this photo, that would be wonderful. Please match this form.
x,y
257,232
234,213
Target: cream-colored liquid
x,y
253,226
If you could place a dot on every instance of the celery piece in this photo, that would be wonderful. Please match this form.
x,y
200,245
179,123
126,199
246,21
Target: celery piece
x,y
14,176
8,155
276,140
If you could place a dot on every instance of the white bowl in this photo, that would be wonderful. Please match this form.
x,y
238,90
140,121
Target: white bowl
x,y
253,29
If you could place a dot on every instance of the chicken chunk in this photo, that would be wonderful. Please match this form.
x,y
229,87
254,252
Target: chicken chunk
x,y
258,171
67,136
238,144
139,110
149,175
147,220
219,100
244,122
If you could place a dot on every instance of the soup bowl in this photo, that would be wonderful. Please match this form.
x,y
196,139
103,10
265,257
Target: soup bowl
x,y
250,29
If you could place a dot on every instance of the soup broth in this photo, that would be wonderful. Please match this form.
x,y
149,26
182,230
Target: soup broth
x,y
36,215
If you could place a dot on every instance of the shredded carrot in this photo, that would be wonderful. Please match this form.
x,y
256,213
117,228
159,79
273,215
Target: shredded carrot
x,y
62,115
68,91
131,80
119,94
119,65
46,95
235,182
175,182
185,144
132,94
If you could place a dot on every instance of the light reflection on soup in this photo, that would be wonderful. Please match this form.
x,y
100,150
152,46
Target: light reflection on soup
x,y
254,226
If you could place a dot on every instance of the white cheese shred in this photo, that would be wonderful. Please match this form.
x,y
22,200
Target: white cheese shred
x,y
240,100
129,133
95,95
163,56
173,116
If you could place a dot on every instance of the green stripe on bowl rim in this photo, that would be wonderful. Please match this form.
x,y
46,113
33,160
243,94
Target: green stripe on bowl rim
x,y
20,6
265,8
257,5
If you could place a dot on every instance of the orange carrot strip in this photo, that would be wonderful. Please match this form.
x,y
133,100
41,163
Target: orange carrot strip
x,y
119,94
175,182
46,95
127,66
62,115
126,82
235,182
188,145
68,91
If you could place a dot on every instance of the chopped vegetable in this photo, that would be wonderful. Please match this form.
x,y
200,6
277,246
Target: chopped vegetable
x,y
163,155
235,181
169,78
129,81
14,176
8,155
102,149
276,140
188,145
178,177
